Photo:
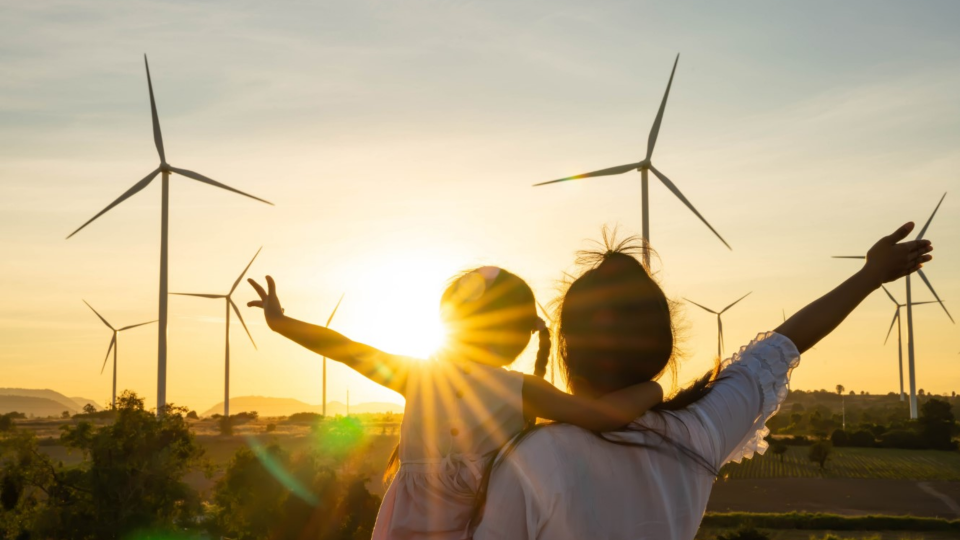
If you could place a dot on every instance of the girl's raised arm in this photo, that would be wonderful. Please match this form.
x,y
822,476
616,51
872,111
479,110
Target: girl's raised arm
x,y
887,260
382,368
609,412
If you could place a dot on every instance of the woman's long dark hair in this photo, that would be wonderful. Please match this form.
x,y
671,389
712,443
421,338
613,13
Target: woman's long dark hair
x,y
616,328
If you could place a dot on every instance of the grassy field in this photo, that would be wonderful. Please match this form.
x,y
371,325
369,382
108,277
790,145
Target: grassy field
x,y
852,463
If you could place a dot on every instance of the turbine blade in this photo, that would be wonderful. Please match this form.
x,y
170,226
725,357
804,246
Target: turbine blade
x,y
720,334
239,316
927,224
890,296
126,195
655,130
893,322
922,303
135,325
929,286
849,257
113,341
99,315
701,307
666,181
733,304
199,295
201,178
546,314
334,312
237,282
603,172
157,137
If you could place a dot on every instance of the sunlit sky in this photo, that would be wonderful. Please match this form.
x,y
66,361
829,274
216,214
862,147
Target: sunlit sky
x,y
399,142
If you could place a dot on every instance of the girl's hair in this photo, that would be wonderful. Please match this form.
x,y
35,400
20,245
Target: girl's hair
x,y
617,329
489,313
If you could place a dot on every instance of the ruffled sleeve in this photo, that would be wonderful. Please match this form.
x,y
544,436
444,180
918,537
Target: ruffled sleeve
x,y
749,390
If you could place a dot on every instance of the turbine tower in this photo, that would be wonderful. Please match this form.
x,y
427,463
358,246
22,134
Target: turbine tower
x,y
226,354
644,166
329,320
909,306
896,320
114,346
719,321
164,171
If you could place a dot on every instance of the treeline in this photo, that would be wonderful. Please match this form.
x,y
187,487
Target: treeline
x,y
131,484
934,429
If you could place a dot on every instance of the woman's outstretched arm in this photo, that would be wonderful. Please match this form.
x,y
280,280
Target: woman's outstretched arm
x,y
887,260
380,367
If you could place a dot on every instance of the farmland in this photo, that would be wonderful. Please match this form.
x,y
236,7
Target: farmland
x,y
851,463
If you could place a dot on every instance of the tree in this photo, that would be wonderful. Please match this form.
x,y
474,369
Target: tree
x,y
819,453
65,415
130,482
192,415
89,409
839,438
779,448
937,425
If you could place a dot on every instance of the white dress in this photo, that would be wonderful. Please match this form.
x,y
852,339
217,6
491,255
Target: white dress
x,y
563,482
457,415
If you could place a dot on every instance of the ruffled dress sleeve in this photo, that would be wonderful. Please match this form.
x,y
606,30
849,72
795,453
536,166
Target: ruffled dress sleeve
x,y
751,386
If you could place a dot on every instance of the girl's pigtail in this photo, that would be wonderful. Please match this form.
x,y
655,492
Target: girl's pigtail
x,y
393,465
543,351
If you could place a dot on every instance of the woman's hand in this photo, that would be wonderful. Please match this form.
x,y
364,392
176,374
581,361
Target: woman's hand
x,y
272,311
889,260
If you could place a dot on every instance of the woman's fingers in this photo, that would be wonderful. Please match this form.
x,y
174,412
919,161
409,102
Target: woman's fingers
x,y
255,303
901,232
256,286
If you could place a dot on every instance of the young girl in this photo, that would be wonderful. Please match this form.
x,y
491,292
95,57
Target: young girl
x,y
461,405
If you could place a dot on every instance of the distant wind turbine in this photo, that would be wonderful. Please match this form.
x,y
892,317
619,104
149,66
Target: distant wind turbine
x,y
226,354
644,166
909,305
329,320
719,321
896,320
164,170
114,346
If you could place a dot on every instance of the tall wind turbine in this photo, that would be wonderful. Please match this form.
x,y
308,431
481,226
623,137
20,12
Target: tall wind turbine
x,y
896,320
114,346
909,306
719,321
329,320
643,166
226,354
164,171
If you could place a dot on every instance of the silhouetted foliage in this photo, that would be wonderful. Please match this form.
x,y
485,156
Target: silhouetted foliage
x,y
819,453
937,425
305,418
778,448
192,415
268,493
744,533
130,481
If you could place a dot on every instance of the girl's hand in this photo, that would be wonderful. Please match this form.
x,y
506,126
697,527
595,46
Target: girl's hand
x,y
272,311
889,260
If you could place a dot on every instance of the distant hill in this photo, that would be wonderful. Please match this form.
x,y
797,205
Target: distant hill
x,y
66,403
271,406
34,406
82,401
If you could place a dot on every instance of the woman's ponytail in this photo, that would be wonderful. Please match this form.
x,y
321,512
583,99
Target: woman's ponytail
x,y
543,351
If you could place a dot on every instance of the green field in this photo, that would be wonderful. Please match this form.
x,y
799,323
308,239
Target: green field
x,y
858,463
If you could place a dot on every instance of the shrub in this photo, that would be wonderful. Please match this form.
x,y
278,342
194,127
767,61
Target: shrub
x,y
839,438
901,438
192,415
861,439
270,428
744,533
819,452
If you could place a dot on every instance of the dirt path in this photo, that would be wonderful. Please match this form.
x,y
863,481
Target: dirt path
x,y
838,496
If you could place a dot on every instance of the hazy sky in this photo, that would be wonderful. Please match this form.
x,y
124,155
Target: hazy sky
x,y
399,141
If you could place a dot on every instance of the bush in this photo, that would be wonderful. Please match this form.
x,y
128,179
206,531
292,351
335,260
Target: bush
x,y
901,438
270,428
819,452
192,415
862,439
839,438
304,418
744,533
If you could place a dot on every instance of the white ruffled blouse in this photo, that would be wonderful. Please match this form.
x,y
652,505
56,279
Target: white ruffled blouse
x,y
563,482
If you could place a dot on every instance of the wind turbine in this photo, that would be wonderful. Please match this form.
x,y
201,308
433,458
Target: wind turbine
x,y
896,320
643,166
719,321
164,171
329,320
114,346
909,306
226,354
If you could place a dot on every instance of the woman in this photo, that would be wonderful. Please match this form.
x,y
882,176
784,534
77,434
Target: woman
x,y
653,480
